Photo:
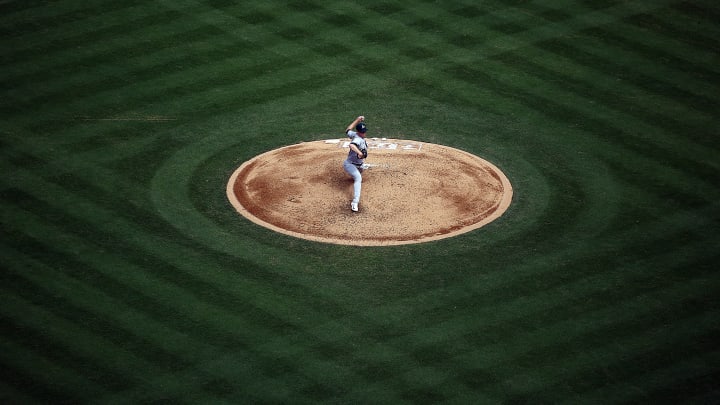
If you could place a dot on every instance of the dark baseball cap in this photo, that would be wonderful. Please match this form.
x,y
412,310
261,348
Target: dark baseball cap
x,y
361,127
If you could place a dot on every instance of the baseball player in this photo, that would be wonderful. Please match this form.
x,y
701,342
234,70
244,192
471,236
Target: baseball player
x,y
353,165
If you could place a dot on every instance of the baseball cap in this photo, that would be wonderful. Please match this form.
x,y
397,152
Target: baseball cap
x,y
361,127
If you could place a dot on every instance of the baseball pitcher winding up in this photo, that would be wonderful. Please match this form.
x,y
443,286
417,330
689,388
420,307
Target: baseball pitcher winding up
x,y
353,165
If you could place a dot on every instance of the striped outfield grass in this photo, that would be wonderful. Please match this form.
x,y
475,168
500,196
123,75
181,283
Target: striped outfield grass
x,y
127,276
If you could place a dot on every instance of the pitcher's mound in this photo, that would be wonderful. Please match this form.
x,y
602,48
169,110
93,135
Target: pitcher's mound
x,y
412,192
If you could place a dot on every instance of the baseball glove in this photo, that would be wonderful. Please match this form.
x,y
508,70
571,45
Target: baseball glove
x,y
364,153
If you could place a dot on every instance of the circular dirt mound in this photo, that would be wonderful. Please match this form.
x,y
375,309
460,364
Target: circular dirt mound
x,y
412,192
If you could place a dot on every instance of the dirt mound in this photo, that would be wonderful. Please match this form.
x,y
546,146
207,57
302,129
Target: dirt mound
x,y
412,192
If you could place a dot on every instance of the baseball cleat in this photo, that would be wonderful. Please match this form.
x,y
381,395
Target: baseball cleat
x,y
354,207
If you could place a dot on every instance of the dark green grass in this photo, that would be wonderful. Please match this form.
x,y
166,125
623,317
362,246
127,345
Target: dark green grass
x,y
128,277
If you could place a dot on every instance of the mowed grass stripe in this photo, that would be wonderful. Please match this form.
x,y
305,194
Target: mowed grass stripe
x,y
638,63
81,294
92,47
658,129
533,30
335,333
501,54
99,197
597,84
185,286
98,369
562,107
544,291
121,78
670,187
192,369
115,63
650,105
186,83
89,355
95,184
98,27
608,60
189,94
120,141
621,358
179,296
217,92
553,334
34,374
156,70
75,345
21,17
525,358
541,293
236,383
175,352
172,33
673,381
337,337
665,23
341,50
227,331
442,334
161,296
283,33
590,22
512,19
343,377
110,63
677,73
555,11
659,41
39,18
436,300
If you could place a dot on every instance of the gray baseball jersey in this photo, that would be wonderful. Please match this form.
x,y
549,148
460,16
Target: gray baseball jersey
x,y
360,143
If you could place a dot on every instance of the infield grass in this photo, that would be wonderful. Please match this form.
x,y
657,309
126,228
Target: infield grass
x,y
128,277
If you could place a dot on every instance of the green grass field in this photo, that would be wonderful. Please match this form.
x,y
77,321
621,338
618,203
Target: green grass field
x,y
127,277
